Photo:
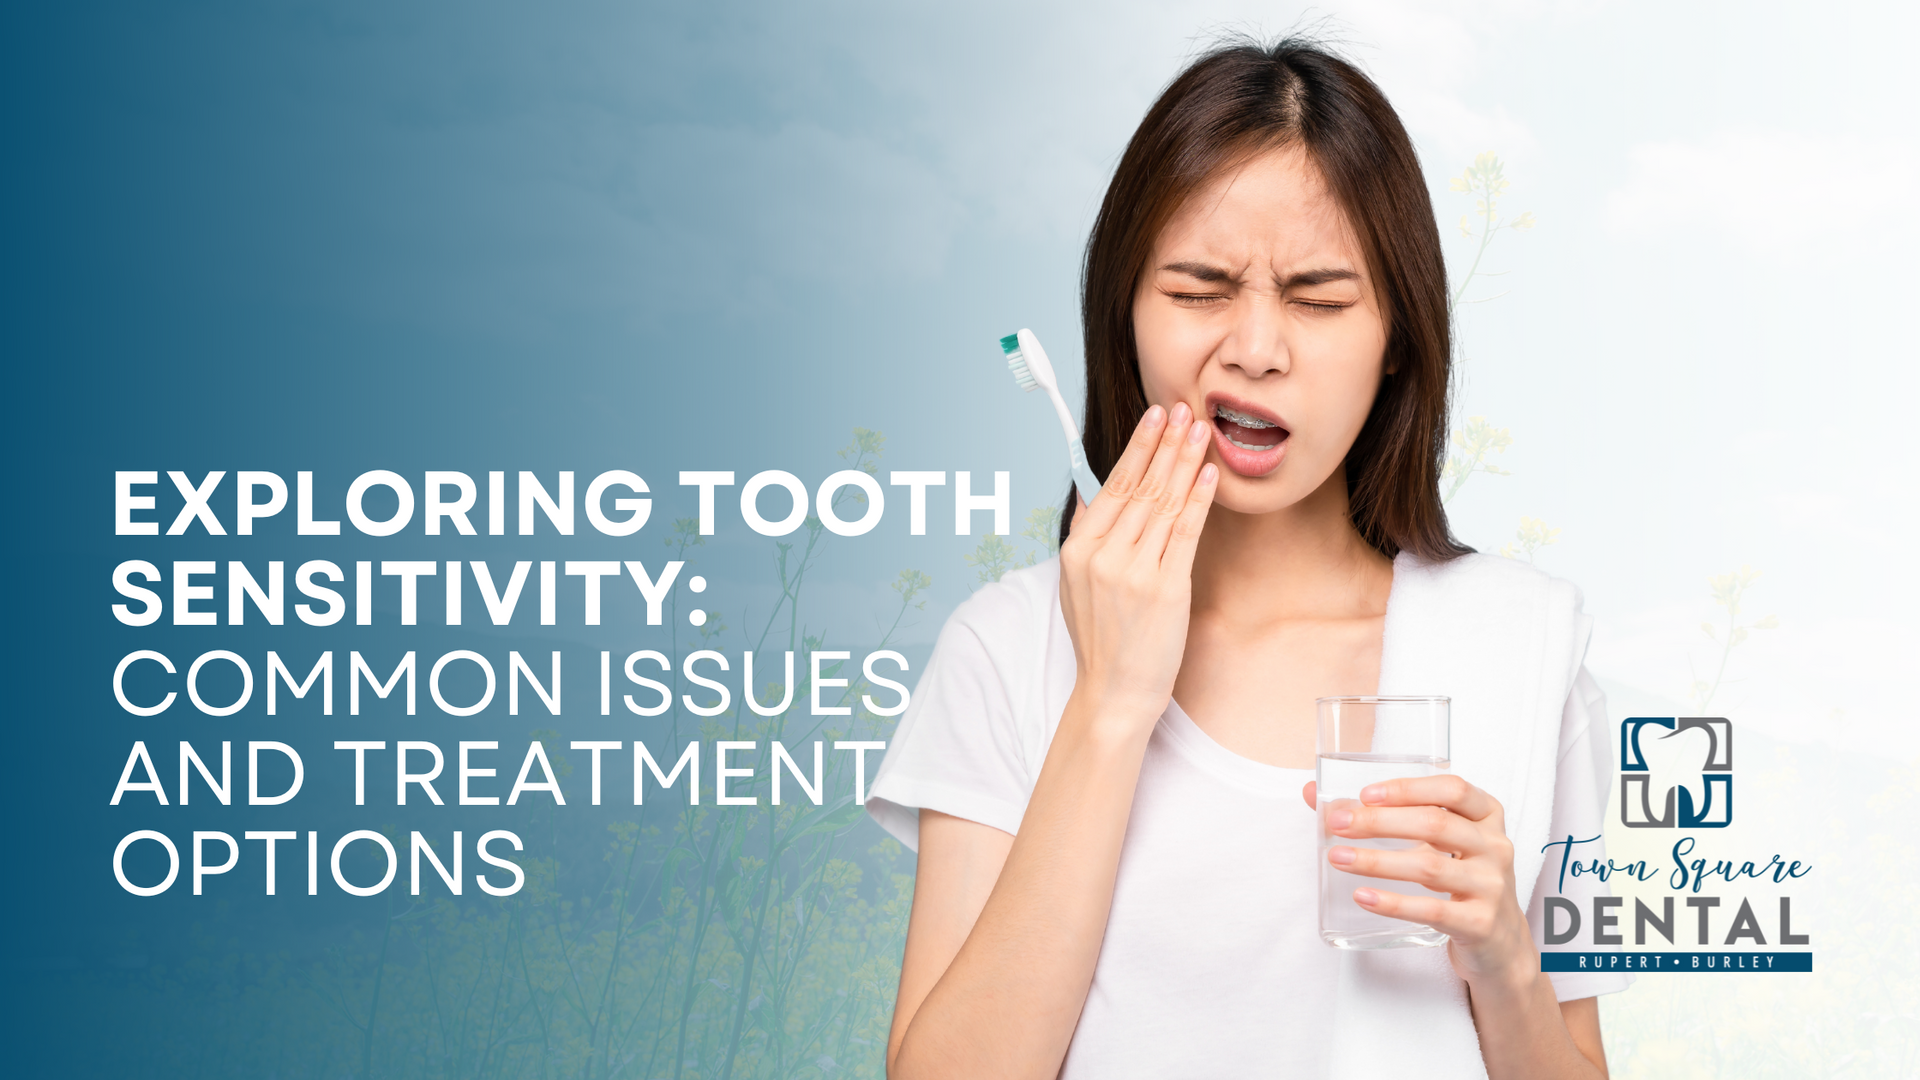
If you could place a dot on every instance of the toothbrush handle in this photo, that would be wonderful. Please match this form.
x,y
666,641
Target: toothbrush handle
x,y
1083,477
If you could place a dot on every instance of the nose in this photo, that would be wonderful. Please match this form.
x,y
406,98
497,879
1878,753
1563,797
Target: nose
x,y
1256,341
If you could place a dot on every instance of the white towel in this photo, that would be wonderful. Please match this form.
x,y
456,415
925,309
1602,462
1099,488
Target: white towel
x,y
1505,642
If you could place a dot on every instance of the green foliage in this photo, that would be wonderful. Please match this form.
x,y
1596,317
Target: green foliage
x,y
1729,591
994,556
1472,445
1478,441
910,584
1486,181
1532,535
1043,527
865,450
685,534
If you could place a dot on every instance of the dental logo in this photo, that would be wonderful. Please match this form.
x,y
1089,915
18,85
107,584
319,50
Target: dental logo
x,y
1691,760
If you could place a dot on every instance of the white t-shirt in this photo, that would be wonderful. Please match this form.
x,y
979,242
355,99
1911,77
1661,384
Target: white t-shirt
x,y
1212,964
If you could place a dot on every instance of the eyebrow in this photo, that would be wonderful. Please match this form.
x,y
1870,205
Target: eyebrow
x,y
1307,278
1199,271
1303,279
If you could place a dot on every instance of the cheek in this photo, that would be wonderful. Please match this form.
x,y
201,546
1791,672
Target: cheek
x,y
1346,382
1168,371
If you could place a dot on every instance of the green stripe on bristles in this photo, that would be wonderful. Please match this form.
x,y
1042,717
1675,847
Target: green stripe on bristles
x,y
1010,343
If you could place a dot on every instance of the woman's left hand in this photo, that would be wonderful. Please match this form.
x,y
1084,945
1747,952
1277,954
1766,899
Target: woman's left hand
x,y
1461,850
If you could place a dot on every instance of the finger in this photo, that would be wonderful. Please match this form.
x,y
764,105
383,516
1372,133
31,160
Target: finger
x,y
1186,467
1428,910
1154,484
1421,866
1184,540
1445,790
1434,825
1310,793
1125,475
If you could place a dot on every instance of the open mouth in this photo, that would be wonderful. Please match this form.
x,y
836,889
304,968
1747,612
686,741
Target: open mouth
x,y
1246,431
1248,439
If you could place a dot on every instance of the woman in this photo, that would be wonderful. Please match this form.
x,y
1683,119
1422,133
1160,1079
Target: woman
x,y
1103,767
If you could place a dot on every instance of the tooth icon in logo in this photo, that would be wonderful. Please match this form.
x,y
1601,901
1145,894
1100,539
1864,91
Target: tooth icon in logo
x,y
1689,763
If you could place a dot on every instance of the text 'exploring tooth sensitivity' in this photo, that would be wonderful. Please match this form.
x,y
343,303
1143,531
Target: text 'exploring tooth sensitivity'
x,y
178,676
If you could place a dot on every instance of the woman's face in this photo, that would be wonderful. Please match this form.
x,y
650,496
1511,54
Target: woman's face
x,y
1257,310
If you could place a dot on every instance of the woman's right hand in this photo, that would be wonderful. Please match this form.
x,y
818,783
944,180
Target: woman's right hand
x,y
975,999
1126,569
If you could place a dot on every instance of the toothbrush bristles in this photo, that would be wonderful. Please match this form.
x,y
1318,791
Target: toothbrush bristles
x,y
1017,363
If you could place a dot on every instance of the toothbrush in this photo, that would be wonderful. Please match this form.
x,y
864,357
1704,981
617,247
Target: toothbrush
x,y
1028,362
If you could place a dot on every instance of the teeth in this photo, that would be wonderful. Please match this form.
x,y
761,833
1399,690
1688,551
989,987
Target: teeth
x,y
1247,446
1242,419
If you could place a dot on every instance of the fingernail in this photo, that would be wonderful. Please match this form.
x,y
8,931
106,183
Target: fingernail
x,y
1154,413
1366,896
1341,856
1181,414
1373,793
1208,472
1197,433
1339,819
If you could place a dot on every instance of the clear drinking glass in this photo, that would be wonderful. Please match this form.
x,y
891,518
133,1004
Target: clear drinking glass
x,y
1364,740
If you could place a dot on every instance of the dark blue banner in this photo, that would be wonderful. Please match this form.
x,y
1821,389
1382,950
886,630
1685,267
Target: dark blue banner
x,y
1676,961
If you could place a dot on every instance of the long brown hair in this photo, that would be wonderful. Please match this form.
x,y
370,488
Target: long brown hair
x,y
1239,100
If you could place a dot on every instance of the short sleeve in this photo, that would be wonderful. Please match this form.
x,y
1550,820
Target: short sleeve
x,y
1584,778
959,747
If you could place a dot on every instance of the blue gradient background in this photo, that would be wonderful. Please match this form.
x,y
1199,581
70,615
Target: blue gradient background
x,y
352,236
348,237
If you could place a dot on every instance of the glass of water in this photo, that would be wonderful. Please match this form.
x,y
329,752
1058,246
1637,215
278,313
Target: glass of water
x,y
1364,740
